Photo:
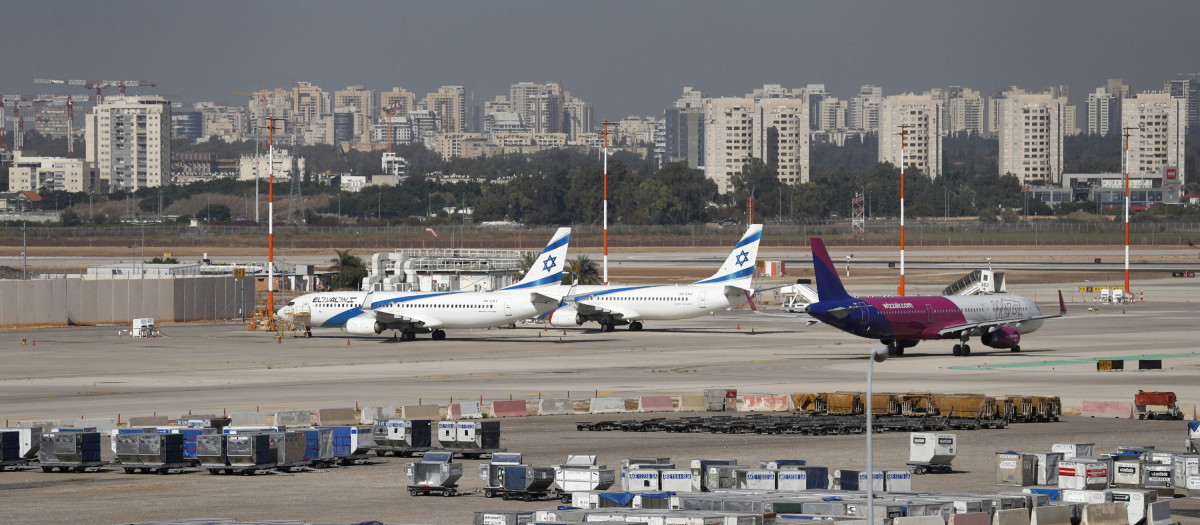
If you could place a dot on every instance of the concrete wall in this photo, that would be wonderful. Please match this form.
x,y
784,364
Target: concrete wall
x,y
89,301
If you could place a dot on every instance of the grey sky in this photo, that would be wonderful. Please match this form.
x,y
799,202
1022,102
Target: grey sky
x,y
626,57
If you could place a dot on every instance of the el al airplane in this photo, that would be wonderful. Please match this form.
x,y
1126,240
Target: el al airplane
x,y
611,306
901,322
409,313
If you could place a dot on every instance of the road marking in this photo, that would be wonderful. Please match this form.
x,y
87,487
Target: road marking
x,y
1088,360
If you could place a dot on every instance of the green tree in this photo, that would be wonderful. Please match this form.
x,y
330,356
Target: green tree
x,y
69,218
214,213
582,269
163,260
350,270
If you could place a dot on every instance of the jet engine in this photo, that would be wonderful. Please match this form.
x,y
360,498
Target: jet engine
x,y
364,325
1002,338
565,317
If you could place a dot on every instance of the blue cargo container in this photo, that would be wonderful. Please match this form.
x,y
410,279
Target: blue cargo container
x,y
10,446
343,440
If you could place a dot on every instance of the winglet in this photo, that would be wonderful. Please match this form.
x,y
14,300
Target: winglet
x,y
829,286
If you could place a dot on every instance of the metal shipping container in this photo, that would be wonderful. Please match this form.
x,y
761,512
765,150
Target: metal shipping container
x,y
211,450
1159,478
700,472
126,447
503,517
435,469
1019,470
410,433
1074,450
476,434
247,450
935,449
318,444
447,434
1083,474
526,478
1047,467
584,479
160,449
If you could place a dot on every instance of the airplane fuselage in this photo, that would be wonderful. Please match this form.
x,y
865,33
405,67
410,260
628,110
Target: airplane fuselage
x,y
659,303
441,309
923,317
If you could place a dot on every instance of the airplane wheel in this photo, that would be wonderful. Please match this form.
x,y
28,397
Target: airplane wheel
x,y
408,336
966,350
893,349
899,351
957,349
607,327
1015,348
438,335
635,326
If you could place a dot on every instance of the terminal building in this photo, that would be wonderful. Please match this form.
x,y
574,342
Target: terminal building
x,y
442,270
1108,189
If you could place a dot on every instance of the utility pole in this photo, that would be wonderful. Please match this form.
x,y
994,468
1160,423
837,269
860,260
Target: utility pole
x,y
271,214
24,254
1126,135
606,133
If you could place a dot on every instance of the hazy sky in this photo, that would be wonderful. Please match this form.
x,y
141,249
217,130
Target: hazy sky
x,y
626,57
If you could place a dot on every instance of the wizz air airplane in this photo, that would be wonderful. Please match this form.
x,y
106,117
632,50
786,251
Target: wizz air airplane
x,y
901,322
410,313
618,305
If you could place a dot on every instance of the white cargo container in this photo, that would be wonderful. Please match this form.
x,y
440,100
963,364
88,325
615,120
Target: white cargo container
x,y
447,433
636,479
1192,485
1019,470
30,441
1075,450
1159,478
1083,475
934,449
700,471
1127,471
898,481
756,479
1184,465
791,479
1086,496
721,477
583,479
1047,467
846,479
676,480
1137,501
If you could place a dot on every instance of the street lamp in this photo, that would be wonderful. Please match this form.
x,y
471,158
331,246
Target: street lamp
x,y
878,354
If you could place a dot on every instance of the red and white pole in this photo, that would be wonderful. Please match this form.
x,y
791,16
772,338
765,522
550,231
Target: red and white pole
x,y
902,130
1126,292
606,203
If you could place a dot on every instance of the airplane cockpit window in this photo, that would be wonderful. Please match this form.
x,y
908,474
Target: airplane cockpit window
x,y
291,303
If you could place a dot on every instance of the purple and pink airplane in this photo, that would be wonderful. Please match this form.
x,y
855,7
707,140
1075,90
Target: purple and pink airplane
x,y
901,322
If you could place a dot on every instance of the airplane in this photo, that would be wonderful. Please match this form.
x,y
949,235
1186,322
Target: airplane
x,y
902,322
611,306
409,313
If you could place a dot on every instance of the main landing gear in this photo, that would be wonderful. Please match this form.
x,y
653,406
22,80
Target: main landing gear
x,y
962,350
635,326
405,336
438,335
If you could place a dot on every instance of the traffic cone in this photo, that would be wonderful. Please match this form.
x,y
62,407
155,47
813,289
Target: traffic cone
x,y
347,341
751,331
559,340
35,342
280,339
539,335
739,327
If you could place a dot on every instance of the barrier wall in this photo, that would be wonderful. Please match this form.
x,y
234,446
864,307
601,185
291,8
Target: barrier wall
x,y
89,301
555,407
691,403
103,424
149,421
337,416
1056,515
515,408
247,419
608,405
919,520
1115,409
433,412
370,414
293,418
970,518
762,403
1105,514
1011,517
656,404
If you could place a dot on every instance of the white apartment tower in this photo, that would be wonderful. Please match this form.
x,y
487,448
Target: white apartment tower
x,y
921,117
449,103
309,103
403,100
360,101
53,173
964,110
540,105
862,113
129,142
1157,124
774,129
1031,128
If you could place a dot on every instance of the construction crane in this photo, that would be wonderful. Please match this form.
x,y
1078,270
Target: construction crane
x,y
16,102
98,85
387,110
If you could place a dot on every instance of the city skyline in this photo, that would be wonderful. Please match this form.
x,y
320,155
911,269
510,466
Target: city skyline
x,y
626,58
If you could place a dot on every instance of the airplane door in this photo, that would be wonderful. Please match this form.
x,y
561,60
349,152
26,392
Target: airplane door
x,y
929,313
702,294
507,307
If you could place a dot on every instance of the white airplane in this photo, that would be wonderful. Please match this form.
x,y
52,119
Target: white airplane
x,y
409,313
611,306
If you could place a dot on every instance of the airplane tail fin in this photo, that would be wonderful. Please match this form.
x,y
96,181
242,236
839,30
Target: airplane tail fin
x,y
738,269
548,268
829,286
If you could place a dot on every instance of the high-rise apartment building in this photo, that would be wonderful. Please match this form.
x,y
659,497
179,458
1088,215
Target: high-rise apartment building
x,y
964,110
862,114
362,102
684,136
577,117
269,104
1104,112
448,103
309,103
227,122
129,142
831,114
1156,125
1189,90
403,100
540,105
1031,130
52,122
766,125
915,123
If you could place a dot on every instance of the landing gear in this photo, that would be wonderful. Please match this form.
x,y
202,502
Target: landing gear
x,y
607,326
1015,349
437,335
895,349
407,335
307,332
962,350
635,326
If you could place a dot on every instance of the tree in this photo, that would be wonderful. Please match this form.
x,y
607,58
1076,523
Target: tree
x,y
582,269
214,213
350,270
163,260
69,218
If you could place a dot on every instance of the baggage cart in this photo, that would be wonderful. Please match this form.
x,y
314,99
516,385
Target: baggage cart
x,y
434,474
70,452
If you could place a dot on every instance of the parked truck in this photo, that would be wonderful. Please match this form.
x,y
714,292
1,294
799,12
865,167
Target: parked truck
x,y
1156,405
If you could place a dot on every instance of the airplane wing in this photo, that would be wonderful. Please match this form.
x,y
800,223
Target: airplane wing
x,y
998,323
587,308
543,301
391,317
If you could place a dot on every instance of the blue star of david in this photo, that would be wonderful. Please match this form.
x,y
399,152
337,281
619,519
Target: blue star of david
x,y
549,264
742,258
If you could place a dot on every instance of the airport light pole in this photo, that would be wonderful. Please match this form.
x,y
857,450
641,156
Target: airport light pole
x,y
606,133
1126,184
903,132
271,215
24,254
878,354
